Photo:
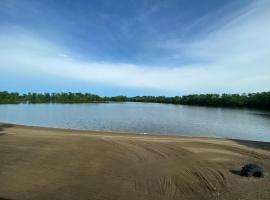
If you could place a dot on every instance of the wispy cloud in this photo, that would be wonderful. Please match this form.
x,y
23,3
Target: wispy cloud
x,y
34,55
234,58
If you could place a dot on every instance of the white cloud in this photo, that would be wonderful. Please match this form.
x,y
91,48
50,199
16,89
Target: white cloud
x,y
235,58
34,55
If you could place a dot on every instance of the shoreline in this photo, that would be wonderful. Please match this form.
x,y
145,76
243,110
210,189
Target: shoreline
x,y
50,163
70,130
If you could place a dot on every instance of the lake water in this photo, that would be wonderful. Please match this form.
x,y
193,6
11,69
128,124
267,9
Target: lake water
x,y
144,118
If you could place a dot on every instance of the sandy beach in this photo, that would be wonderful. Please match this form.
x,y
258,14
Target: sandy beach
x,y
45,163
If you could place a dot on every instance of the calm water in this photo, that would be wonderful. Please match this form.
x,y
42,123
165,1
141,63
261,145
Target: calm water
x,y
144,118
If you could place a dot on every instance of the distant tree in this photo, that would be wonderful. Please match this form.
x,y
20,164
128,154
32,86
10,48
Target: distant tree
x,y
254,100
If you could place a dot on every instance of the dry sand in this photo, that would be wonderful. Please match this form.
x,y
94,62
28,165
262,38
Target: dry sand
x,y
52,164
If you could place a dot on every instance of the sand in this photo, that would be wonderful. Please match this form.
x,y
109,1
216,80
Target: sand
x,y
52,164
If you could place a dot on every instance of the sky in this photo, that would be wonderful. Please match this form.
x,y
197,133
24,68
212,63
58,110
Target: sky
x,y
135,47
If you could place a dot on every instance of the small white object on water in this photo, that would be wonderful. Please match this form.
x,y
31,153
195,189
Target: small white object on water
x,y
145,133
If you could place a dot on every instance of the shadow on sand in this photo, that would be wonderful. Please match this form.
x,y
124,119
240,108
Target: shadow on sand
x,y
236,172
5,199
3,126
254,144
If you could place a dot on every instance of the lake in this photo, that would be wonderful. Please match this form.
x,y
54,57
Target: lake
x,y
144,118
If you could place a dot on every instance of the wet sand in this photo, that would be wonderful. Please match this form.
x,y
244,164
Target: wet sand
x,y
44,163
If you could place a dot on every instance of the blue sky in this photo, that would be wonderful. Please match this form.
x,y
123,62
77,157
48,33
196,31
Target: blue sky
x,y
135,47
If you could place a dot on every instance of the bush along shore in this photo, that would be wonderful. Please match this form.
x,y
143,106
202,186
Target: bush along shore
x,y
252,100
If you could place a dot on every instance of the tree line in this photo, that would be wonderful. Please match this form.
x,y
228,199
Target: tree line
x,y
253,100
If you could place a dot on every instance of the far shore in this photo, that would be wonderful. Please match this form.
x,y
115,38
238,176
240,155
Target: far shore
x,y
49,163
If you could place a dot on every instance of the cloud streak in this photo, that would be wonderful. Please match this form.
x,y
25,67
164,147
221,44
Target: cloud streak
x,y
37,56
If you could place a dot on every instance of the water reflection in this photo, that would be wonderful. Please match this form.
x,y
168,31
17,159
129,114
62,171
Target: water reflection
x,y
144,118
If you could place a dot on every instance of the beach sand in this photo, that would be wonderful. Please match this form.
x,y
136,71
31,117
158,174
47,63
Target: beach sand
x,y
51,164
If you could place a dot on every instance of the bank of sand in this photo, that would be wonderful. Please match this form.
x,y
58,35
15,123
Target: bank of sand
x,y
51,164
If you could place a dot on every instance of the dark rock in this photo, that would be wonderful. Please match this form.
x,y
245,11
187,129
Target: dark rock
x,y
252,170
